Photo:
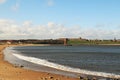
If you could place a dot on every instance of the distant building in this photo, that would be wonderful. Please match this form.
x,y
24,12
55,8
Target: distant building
x,y
65,41
9,42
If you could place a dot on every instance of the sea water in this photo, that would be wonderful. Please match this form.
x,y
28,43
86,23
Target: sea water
x,y
91,60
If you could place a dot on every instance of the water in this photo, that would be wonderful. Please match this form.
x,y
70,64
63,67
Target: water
x,y
91,60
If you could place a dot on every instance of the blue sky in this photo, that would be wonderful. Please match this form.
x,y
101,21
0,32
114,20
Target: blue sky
x,y
85,17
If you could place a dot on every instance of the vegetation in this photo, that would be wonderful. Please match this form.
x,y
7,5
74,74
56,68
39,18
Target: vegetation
x,y
32,41
65,41
91,42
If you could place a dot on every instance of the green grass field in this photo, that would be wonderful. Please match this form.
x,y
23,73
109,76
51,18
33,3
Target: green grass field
x,y
91,42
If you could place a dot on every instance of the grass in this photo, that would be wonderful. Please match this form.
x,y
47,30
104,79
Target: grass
x,y
92,42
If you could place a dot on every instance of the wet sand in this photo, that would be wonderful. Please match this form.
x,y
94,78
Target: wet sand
x,y
11,72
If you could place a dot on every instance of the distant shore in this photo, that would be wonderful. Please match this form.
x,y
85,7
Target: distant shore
x,y
93,44
110,44
12,72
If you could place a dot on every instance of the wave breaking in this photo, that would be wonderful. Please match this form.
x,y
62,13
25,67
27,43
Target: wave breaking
x,y
64,68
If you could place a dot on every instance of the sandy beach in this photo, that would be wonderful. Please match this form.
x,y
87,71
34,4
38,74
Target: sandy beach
x,y
11,72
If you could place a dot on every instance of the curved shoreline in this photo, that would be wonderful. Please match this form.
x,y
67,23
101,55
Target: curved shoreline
x,y
65,68
11,72
38,74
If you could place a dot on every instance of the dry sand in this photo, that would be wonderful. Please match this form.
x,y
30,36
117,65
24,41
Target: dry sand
x,y
10,72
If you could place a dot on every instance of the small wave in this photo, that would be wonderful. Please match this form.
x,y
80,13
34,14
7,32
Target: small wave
x,y
64,68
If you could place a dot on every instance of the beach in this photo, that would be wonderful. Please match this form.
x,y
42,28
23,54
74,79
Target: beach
x,y
12,72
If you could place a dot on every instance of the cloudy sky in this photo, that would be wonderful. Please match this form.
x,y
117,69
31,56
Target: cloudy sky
x,y
47,19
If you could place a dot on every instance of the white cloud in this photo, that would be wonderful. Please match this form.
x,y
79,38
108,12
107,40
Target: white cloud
x,y
2,1
51,24
16,6
50,2
27,23
10,29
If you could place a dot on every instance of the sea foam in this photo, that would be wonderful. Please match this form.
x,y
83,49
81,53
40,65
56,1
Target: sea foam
x,y
64,68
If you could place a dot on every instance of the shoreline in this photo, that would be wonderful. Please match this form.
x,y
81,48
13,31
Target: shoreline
x,y
38,74
11,72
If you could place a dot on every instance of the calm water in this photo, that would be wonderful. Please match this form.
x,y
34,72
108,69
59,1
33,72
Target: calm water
x,y
92,58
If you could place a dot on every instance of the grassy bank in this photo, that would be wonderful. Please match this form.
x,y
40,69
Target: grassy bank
x,y
93,42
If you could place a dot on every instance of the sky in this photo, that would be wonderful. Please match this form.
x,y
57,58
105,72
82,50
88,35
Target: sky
x,y
52,19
